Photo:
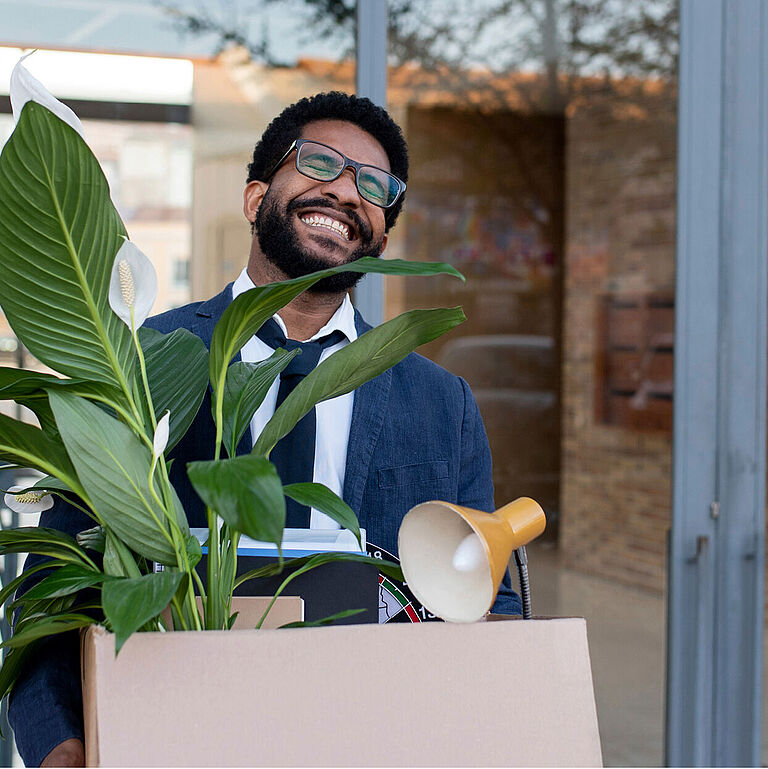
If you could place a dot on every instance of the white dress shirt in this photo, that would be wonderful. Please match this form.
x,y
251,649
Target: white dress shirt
x,y
334,416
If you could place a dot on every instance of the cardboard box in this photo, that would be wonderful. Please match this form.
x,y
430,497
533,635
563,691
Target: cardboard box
x,y
250,610
516,693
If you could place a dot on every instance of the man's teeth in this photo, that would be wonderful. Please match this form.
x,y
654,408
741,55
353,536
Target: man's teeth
x,y
326,221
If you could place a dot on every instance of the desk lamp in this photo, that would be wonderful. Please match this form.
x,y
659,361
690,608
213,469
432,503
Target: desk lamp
x,y
453,558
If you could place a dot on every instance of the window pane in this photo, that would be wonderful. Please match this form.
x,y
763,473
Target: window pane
x,y
542,138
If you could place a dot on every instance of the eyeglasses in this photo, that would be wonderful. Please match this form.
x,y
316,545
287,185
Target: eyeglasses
x,y
324,164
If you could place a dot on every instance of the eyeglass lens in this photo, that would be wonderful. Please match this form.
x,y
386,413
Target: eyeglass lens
x,y
324,164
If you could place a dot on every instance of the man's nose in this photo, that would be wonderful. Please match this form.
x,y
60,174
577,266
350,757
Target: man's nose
x,y
343,189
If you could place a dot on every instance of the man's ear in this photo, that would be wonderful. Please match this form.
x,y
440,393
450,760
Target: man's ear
x,y
253,194
384,242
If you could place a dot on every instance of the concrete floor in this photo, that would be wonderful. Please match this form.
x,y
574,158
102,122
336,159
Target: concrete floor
x,y
626,629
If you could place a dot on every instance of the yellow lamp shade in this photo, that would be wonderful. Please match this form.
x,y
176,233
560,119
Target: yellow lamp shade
x,y
454,558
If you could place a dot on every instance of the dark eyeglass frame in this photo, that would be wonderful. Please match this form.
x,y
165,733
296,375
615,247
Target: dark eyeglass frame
x,y
348,163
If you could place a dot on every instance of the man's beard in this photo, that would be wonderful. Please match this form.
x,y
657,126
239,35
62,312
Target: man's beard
x,y
280,244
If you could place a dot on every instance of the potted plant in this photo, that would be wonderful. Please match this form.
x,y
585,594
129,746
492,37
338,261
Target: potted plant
x,y
76,292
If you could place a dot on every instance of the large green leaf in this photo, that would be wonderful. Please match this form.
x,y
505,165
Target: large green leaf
x,y
65,581
41,541
28,388
323,499
130,603
113,466
245,316
29,446
46,625
11,587
59,234
177,371
246,386
351,366
19,382
246,492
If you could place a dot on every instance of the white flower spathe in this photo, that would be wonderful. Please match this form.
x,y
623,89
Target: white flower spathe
x,y
27,500
132,285
162,432
25,87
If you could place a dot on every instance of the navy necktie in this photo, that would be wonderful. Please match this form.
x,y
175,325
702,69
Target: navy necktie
x,y
294,454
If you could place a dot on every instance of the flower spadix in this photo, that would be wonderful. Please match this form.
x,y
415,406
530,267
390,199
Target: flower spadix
x,y
25,87
132,286
22,500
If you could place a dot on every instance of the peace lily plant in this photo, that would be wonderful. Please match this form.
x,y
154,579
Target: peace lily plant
x,y
77,292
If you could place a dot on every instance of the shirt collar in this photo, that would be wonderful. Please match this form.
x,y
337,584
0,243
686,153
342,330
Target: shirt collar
x,y
342,320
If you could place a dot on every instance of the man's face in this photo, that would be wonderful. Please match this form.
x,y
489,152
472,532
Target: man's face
x,y
305,225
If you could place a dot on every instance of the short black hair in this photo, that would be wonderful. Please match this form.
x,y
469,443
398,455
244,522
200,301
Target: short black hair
x,y
334,105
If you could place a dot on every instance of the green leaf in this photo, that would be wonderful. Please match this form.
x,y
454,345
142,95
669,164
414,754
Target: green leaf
x,y
351,366
388,568
18,383
29,446
59,234
323,499
42,541
46,625
113,466
28,388
322,558
325,620
9,589
49,483
118,559
65,581
245,316
244,390
14,661
194,550
131,603
177,371
247,494
92,539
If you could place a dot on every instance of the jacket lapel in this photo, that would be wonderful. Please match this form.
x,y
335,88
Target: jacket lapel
x,y
208,313
368,413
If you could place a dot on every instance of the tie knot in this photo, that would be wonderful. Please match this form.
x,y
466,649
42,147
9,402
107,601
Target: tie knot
x,y
271,334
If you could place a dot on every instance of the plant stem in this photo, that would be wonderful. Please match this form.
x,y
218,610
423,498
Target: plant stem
x,y
214,615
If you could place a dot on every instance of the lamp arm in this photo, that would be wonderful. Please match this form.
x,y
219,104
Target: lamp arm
x,y
521,559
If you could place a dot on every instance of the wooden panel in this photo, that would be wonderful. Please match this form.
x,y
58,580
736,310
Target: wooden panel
x,y
651,414
634,362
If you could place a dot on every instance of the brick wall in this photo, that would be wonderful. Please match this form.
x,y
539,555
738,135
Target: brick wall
x,y
619,241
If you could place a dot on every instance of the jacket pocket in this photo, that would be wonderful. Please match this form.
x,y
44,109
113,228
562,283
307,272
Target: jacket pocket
x,y
407,475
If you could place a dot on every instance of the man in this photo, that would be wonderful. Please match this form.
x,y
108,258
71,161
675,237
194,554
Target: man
x,y
324,187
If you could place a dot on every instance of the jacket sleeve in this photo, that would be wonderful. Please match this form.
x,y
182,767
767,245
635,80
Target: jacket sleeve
x,y
45,706
476,486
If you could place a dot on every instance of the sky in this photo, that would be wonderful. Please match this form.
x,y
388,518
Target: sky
x,y
142,26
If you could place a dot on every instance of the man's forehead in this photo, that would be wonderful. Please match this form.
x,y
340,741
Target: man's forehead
x,y
347,137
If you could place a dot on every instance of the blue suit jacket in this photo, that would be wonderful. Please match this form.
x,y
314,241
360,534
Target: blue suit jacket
x,y
416,435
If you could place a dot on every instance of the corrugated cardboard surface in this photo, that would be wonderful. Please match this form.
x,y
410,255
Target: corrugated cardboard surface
x,y
432,694
287,608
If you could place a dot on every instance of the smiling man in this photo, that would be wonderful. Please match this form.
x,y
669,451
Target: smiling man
x,y
325,185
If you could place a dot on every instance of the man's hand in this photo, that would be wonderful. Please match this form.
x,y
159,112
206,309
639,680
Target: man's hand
x,y
67,753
